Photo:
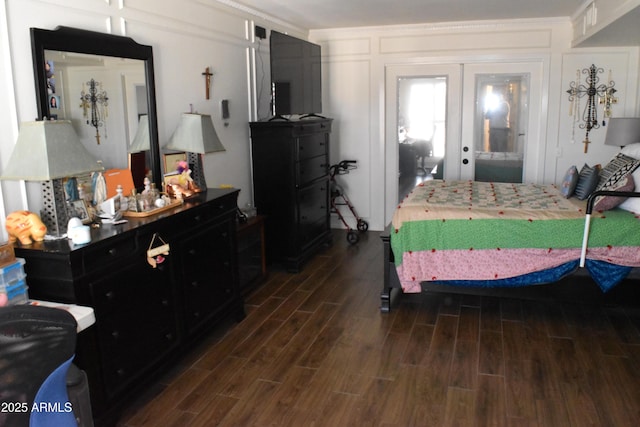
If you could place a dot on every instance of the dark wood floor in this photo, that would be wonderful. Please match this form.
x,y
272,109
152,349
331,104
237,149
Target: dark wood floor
x,y
315,350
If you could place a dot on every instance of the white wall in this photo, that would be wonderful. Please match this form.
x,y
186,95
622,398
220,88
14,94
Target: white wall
x,y
189,35
356,60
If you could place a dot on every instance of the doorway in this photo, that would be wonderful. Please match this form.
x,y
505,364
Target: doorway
x,y
423,104
464,102
421,130
500,125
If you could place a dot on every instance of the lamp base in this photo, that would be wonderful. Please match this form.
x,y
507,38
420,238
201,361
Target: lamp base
x,y
197,170
54,213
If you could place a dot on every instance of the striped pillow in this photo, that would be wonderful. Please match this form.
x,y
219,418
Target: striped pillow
x,y
618,168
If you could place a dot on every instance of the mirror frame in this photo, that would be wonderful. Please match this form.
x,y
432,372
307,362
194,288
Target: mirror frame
x,y
70,39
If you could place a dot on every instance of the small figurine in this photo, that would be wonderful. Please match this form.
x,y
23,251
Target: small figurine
x,y
185,177
24,226
181,185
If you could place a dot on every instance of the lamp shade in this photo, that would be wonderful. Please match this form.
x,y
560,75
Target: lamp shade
x,y
141,142
623,131
48,150
195,134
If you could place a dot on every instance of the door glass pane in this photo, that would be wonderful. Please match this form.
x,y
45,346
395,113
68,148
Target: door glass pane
x,y
421,129
501,121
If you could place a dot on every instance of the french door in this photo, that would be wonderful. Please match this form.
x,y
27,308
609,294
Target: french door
x,y
501,111
478,118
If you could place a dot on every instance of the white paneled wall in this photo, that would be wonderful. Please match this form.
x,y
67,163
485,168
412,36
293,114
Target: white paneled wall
x,y
187,36
357,60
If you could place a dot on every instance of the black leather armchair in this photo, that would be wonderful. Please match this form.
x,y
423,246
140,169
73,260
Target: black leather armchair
x,y
37,345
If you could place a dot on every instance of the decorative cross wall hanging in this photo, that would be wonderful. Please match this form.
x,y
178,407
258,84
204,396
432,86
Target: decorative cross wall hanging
x,y
591,88
95,106
207,75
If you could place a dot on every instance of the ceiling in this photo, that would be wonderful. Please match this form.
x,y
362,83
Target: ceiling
x,y
321,14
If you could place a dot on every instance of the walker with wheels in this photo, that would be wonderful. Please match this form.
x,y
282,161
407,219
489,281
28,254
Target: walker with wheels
x,y
339,198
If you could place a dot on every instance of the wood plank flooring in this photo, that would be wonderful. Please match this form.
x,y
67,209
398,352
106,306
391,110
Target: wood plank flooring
x,y
314,350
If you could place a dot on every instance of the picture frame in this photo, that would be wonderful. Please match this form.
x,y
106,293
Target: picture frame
x,y
171,160
78,208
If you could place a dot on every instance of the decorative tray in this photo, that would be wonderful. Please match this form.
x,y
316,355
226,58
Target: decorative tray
x,y
174,203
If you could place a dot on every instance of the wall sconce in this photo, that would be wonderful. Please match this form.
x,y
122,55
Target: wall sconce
x,y
49,151
95,107
196,135
604,94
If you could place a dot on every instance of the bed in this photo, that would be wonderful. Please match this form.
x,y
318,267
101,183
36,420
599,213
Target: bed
x,y
485,234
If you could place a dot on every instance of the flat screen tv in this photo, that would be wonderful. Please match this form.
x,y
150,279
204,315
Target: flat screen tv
x,y
296,80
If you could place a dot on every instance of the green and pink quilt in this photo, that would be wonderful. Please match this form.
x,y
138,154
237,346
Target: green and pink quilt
x,y
482,231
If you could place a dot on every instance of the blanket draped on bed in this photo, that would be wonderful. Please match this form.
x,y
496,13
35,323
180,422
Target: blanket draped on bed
x,y
482,231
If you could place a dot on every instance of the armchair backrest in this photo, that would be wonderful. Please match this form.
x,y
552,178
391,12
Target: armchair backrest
x,y
37,344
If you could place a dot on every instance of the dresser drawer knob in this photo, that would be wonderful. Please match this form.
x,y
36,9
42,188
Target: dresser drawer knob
x,y
110,295
112,251
115,334
121,372
196,314
169,337
195,284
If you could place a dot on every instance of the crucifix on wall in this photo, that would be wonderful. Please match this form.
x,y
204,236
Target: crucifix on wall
x,y
207,76
596,93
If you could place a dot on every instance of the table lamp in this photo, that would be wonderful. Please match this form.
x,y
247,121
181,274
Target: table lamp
x,y
141,141
49,151
137,152
622,131
195,135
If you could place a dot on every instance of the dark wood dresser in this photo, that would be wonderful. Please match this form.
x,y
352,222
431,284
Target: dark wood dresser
x,y
291,187
145,317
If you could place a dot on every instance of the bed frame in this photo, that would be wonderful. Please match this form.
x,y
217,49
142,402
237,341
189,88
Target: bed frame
x,y
391,286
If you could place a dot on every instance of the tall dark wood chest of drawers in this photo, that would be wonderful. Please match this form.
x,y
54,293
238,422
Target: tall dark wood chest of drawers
x,y
291,187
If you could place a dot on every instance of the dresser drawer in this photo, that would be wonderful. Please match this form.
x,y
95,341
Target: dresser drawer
x,y
129,347
203,214
204,298
101,255
207,246
312,146
312,202
130,288
309,231
311,169
311,126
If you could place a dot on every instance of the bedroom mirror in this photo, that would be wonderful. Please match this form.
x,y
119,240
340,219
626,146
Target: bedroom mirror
x,y
105,85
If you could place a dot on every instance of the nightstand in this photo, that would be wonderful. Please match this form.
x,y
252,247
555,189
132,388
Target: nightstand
x,y
252,265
